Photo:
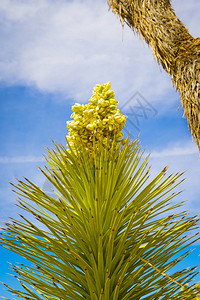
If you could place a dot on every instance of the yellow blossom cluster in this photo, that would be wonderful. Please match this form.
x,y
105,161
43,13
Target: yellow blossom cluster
x,y
99,120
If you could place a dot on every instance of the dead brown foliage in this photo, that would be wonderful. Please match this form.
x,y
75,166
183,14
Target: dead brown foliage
x,y
173,47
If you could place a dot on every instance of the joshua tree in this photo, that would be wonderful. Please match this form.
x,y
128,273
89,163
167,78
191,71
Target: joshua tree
x,y
110,232
173,47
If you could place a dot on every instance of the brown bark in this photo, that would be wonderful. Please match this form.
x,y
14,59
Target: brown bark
x,y
173,47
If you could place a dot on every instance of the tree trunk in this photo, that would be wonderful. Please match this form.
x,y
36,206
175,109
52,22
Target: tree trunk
x,y
173,47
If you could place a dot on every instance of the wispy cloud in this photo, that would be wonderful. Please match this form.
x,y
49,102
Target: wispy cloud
x,y
21,159
69,46
181,157
188,149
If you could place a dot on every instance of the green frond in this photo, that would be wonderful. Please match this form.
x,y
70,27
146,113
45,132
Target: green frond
x,y
105,234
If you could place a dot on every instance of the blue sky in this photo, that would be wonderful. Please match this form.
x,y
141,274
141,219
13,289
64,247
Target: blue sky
x,y
52,54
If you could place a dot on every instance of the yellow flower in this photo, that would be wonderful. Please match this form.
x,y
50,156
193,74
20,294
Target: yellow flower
x,y
99,119
89,126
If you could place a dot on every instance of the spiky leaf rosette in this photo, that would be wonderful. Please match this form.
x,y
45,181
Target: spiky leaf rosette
x,y
106,234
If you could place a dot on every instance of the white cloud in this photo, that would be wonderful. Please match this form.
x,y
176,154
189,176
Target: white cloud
x,y
20,159
181,157
177,150
69,46
188,13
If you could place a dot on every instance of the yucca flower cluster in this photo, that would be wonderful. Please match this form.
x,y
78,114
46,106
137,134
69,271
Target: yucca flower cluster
x,y
99,120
